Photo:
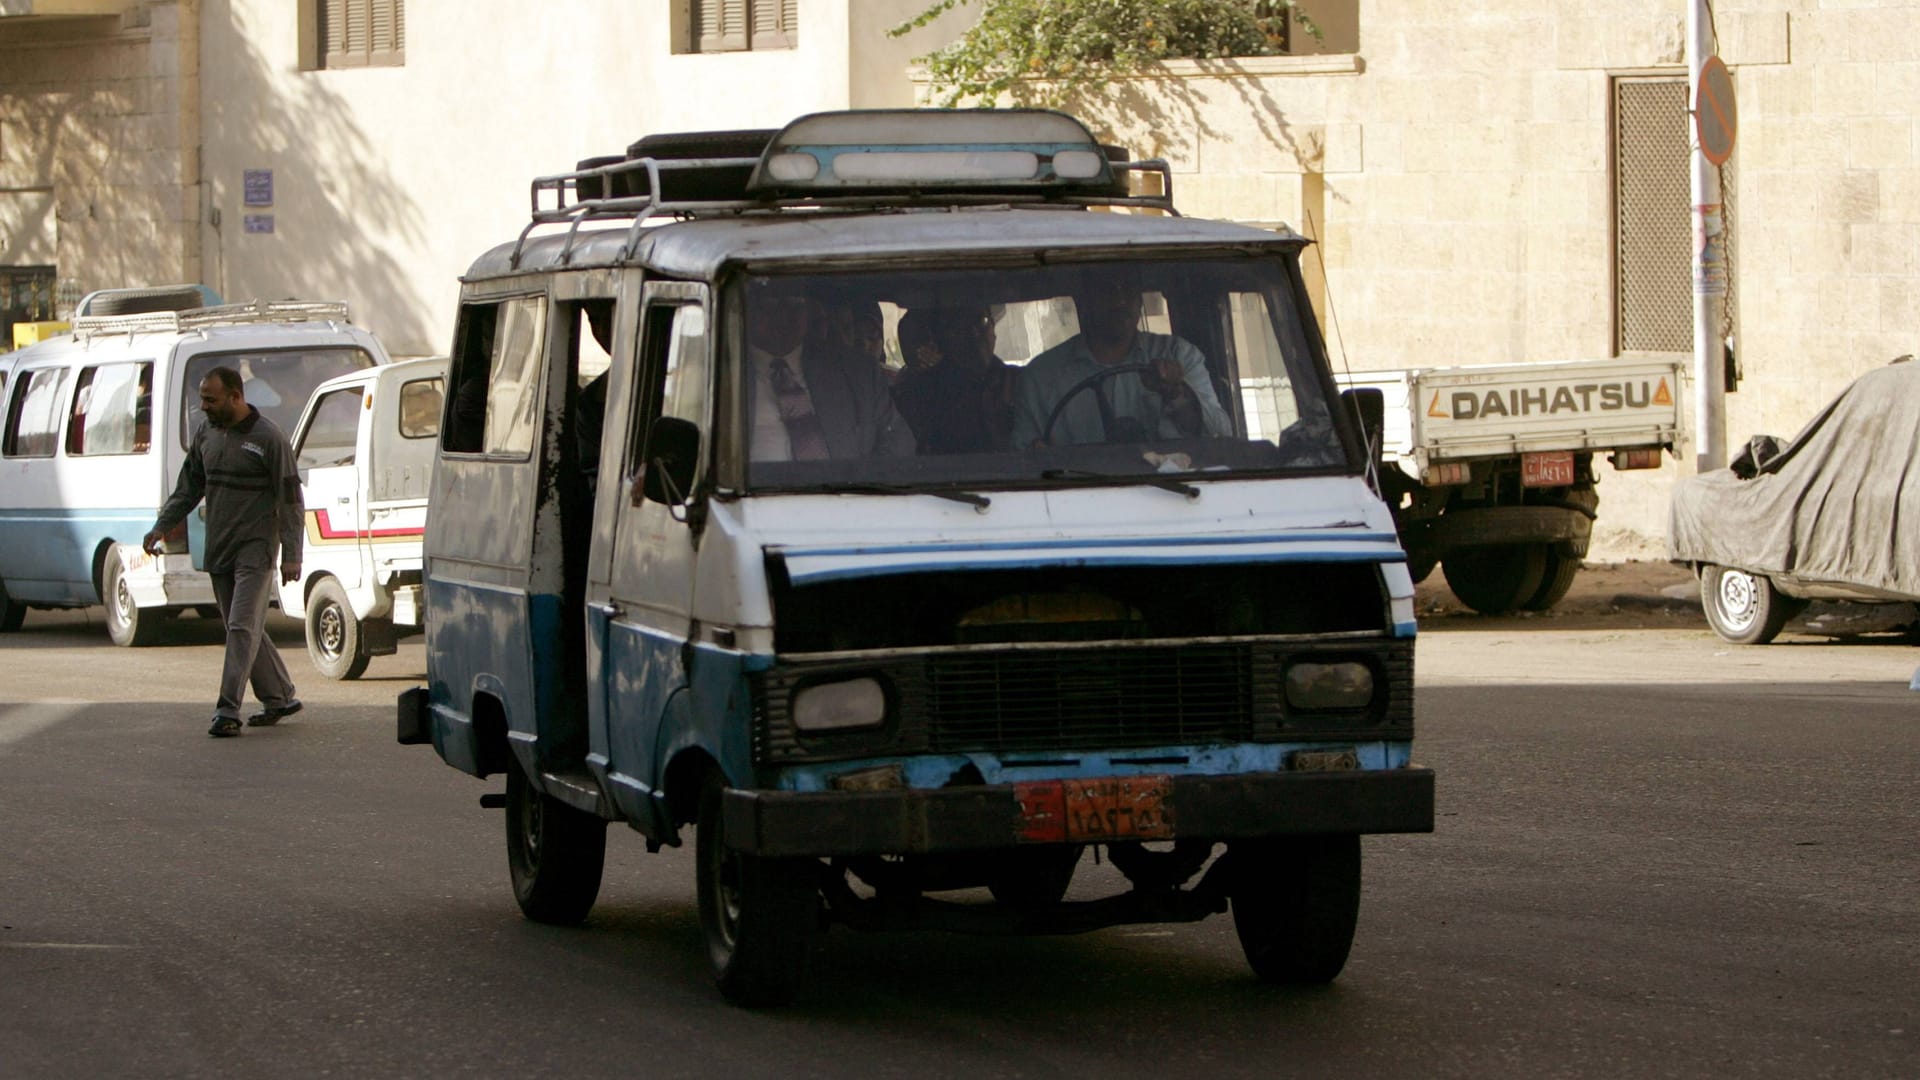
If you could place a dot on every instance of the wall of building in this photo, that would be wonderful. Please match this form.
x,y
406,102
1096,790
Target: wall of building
x,y
98,118
388,181
1457,171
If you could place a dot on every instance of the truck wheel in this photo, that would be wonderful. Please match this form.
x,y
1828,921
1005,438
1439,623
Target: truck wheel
x,y
554,853
1555,582
1295,902
334,641
1743,608
1033,877
758,914
1495,580
12,612
127,624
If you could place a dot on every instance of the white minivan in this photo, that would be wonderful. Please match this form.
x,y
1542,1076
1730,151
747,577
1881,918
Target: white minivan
x,y
95,429
364,448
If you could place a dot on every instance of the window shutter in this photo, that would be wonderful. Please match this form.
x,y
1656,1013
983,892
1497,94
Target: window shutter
x,y
333,31
719,25
358,33
773,23
388,30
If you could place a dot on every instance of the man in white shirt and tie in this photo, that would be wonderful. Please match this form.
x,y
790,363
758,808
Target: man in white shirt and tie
x,y
810,407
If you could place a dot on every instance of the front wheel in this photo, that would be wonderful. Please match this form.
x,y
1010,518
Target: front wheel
x,y
1743,608
334,641
554,853
127,624
758,914
1295,902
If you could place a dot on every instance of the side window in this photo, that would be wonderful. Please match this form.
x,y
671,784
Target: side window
x,y
33,417
495,407
333,434
673,372
112,410
420,402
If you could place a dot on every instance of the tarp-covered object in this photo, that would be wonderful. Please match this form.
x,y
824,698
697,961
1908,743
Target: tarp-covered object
x,y
1840,504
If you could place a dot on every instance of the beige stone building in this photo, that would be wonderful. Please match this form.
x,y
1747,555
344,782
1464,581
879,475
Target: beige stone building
x,y
1500,182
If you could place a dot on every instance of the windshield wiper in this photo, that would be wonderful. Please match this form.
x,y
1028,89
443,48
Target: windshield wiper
x,y
977,501
1165,483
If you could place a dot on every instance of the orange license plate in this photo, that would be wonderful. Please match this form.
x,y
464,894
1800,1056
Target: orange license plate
x,y
1108,808
1553,468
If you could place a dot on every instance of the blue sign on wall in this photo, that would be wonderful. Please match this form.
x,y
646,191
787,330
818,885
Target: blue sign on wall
x,y
258,185
257,223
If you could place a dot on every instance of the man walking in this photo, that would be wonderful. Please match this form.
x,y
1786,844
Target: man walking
x,y
242,465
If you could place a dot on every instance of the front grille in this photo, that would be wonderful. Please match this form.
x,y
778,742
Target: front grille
x,y
1072,699
1118,697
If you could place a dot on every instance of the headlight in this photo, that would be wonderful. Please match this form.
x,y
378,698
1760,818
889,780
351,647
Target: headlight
x,y
1346,685
839,706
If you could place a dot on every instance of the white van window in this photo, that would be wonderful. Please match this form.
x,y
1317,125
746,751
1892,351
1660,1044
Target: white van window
x,y
333,432
33,420
278,383
112,410
420,402
496,401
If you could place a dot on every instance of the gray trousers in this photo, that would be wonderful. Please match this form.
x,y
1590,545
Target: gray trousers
x,y
243,593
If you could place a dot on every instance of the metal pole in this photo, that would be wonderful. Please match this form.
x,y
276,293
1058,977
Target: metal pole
x,y
1709,267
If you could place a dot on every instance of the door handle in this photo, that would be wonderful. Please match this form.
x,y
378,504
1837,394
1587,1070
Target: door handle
x,y
344,500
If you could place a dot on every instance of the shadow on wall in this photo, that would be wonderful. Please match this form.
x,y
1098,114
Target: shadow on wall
x,y
345,228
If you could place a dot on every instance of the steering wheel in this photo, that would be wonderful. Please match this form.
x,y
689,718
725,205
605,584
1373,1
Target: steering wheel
x,y
1081,387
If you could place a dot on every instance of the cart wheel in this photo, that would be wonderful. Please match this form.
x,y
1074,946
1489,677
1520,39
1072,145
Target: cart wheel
x,y
1296,901
554,853
1495,580
758,914
1741,607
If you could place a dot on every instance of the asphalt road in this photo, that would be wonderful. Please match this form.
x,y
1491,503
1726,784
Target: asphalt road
x,y
1657,855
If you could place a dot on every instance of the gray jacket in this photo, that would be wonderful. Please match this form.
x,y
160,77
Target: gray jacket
x,y
246,474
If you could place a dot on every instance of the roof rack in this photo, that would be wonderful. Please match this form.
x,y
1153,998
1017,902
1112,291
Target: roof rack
x,y
849,161
259,311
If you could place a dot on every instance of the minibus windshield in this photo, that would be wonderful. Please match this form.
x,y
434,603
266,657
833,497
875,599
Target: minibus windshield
x,y
1066,374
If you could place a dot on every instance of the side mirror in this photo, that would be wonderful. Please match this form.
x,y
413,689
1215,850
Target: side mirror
x,y
1368,405
666,470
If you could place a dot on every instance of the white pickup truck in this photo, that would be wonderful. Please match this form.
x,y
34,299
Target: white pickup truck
x,y
1490,469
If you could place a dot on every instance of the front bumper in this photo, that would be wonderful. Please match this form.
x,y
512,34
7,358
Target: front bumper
x,y
924,821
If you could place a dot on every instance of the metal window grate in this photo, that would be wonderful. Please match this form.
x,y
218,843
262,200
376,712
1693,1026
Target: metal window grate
x,y
1653,222
1653,289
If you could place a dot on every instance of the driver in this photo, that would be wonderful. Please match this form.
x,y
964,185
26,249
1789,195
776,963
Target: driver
x,y
1172,397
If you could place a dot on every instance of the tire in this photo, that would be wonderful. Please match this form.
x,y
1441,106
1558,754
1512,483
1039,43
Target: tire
x,y
1295,903
1033,877
758,914
554,853
1495,580
12,612
1743,608
334,641
207,611
1554,582
127,624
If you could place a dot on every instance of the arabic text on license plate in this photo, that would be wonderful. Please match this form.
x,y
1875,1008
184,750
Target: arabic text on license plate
x,y
1553,468
1108,808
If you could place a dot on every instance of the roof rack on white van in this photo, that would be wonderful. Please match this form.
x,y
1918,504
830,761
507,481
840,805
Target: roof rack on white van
x,y
259,311
857,160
